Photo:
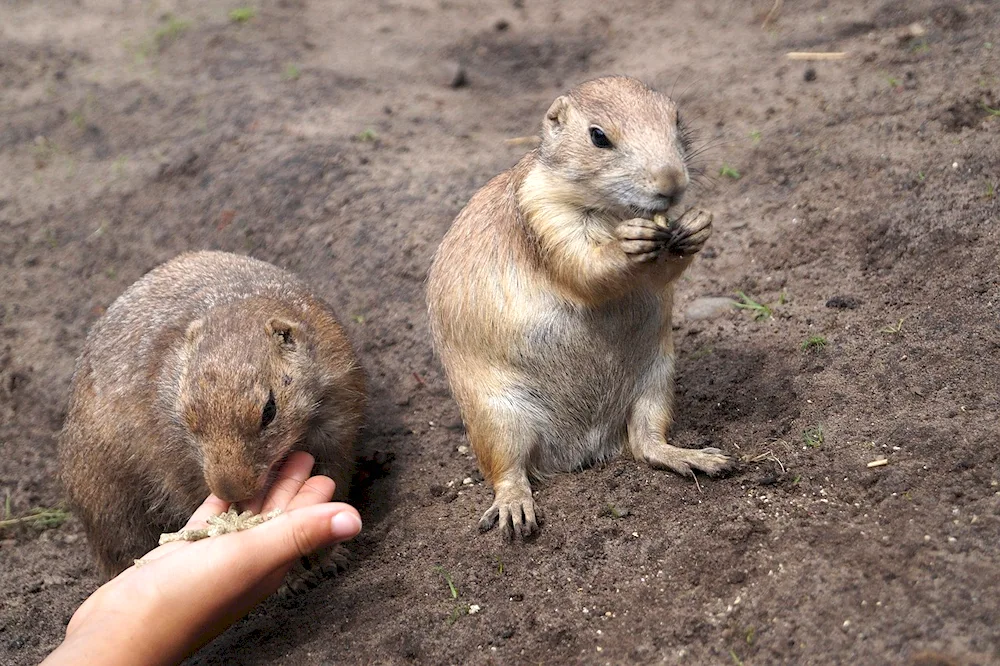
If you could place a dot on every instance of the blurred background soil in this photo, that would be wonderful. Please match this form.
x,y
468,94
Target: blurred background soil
x,y
855,203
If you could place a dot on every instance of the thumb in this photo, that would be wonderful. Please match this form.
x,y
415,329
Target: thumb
x,y
300,532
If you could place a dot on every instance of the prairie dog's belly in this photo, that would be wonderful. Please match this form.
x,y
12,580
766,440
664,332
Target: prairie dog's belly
x,y
581,369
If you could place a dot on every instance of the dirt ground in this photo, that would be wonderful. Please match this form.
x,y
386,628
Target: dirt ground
x,y
856,198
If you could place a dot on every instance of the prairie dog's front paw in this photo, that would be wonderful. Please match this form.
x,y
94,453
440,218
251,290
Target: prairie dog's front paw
x,y
641,239
689,232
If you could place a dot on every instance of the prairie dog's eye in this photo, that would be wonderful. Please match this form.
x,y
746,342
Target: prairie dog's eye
x,y
599,138
270,411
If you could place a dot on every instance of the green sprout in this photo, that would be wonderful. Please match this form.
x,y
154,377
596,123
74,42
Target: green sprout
x,y
729,172
447,578
813,436
760,310
39,517
893,329
814,342
242,14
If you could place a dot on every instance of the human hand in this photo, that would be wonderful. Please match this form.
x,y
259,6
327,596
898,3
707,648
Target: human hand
x,y
186,593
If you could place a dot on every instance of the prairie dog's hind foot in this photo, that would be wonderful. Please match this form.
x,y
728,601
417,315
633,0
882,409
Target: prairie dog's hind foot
x,y
516,512
309,571
709,460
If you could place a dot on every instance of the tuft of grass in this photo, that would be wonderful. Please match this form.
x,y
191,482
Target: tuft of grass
x,y
813,436
457,612
760,310
119,166
614,512
359,319
729,172
991,190
160,38
893,81
51,239
755,136
44,151
43,518
893,329
170,31
700,353
242,14
814,342
292,72
447,578
499,564
367,135
991,111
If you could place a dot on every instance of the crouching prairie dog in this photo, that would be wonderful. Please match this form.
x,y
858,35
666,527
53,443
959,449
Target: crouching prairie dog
x,y
550,297
202,377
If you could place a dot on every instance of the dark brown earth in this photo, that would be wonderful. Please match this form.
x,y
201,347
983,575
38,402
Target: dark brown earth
x,y
326,138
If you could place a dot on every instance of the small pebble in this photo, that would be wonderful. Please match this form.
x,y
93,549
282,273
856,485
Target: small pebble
x,y
708,307
454,76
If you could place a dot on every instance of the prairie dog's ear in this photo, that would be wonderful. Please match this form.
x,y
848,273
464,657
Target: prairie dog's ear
x,y
194,331
283,331
555,117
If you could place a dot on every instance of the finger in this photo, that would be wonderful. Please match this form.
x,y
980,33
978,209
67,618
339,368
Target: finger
x,y
530,522
212,506
300,532
690,213
645,257
506,528
639,246
233,572
315,490
700,236
517,519
489,519
635,231
291,476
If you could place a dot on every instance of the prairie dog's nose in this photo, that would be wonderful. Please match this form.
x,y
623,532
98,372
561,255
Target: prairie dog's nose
x,y
670,181
232,485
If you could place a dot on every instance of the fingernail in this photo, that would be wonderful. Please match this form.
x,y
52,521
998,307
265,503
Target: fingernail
x,y
346,523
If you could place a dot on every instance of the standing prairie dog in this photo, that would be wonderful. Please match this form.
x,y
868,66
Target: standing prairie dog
x,y
203,376
550,297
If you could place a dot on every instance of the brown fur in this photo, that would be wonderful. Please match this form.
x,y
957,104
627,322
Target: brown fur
x,y
550,297
170,390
